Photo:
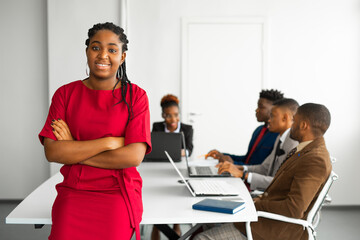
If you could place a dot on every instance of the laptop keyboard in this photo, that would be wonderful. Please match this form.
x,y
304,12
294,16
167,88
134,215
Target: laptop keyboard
x,y
210,187
203,170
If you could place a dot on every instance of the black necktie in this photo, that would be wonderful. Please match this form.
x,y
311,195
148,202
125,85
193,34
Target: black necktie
x,y
278,152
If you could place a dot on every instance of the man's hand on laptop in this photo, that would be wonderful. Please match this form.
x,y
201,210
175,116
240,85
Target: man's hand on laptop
x,y
231,168
218,155
226,158
214,154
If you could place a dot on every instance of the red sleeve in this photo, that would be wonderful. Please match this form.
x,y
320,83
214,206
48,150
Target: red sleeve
x,y
56,110
138,128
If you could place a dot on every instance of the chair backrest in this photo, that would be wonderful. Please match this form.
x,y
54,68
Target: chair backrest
x,y
321,198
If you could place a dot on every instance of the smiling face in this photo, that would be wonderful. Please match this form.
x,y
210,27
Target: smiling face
x,y
104,55
172,117
263,110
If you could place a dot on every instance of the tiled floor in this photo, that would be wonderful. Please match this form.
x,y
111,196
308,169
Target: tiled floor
x,y
336,223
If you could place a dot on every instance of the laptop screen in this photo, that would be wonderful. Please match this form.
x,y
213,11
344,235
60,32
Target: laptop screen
x,y
181,176
161,141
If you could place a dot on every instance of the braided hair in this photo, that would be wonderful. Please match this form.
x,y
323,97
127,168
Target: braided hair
x,y
121,75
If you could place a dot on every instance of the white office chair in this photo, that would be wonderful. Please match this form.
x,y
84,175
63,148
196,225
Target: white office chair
x,y
313,217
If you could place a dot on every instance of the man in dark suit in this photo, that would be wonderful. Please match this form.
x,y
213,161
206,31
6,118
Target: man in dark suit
x,y
295,186
262,140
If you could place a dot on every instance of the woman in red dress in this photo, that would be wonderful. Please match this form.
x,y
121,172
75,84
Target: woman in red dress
x,y
99,128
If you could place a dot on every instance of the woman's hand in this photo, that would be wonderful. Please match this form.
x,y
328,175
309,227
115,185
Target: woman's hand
x,y
61,130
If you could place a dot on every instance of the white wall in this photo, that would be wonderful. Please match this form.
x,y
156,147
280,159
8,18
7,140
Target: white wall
x,y
313,56
23,96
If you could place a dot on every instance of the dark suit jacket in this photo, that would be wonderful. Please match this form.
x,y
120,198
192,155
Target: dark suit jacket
x,y
293,192
186,129
262,150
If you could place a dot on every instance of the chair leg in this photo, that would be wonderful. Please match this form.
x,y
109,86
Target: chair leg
x,y
248,231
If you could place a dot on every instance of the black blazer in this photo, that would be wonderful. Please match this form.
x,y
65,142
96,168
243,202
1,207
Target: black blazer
x,y
185,128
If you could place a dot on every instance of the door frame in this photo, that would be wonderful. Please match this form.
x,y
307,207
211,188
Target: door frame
x,y
185,24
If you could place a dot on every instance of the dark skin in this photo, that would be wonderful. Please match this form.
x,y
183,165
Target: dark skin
x,y
172,117
280,120
262,114
301,130
104,57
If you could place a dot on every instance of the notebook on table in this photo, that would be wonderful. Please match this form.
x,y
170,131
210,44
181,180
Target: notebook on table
x,y
162,141
222,206
200,187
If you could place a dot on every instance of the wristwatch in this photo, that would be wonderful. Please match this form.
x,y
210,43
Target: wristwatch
x,y
243,176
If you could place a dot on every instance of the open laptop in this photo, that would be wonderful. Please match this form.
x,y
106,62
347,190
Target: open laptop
x,y
162,141
202,171
199,187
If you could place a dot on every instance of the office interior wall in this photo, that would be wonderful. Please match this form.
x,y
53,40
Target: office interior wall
x,y
313,56
23,96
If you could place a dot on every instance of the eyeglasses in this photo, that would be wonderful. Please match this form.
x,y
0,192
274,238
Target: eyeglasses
x,y
170,116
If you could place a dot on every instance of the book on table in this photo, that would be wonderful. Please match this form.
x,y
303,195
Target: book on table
x,y
222,206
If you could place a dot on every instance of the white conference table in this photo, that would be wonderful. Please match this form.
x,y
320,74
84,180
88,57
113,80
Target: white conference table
x,y
165,200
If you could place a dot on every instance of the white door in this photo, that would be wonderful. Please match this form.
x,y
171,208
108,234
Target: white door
x,y
222,75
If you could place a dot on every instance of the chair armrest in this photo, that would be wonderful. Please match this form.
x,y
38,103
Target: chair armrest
x,y
283,218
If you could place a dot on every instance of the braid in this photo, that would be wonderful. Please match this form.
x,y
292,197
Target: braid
x,y
125,83
121,73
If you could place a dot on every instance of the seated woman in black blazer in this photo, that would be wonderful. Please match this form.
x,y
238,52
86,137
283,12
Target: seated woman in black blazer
x,y
171,115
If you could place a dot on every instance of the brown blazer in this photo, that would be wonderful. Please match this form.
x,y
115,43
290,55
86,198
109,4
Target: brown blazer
x,y
293,192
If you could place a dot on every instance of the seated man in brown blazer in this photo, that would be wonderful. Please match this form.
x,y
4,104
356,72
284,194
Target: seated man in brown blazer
x,y
295,186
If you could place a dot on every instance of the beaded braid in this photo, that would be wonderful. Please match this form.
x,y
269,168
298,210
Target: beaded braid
x,y
121,73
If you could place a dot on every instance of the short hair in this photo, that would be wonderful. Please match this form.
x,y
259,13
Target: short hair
x,y
271,95
168,101
318,116
287,103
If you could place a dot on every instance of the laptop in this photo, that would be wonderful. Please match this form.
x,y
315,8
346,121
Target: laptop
x,y
162,141
202,171
201,188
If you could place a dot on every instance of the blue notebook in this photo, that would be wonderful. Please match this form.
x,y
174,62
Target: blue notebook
x,y
221,206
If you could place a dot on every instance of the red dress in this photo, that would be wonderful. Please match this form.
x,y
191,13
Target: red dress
x,y
95,203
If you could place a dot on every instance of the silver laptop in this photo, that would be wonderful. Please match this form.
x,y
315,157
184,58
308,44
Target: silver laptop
x,y
202,171
199,187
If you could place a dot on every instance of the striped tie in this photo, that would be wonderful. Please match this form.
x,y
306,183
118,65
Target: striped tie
x,y
292,152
